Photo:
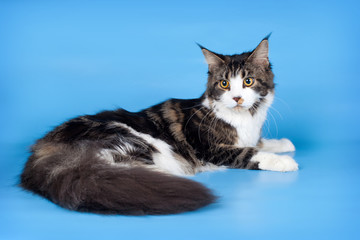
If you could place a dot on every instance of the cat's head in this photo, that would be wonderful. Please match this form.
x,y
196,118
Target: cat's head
x,y
240,82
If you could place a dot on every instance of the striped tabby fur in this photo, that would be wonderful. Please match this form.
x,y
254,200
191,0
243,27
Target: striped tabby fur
x,y
120,162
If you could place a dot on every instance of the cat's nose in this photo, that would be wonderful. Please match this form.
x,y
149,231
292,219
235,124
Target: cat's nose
x,y
239,100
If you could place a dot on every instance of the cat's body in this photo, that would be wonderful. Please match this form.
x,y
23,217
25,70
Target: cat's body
x,y
118,162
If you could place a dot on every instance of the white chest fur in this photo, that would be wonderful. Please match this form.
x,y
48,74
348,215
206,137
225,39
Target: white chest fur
x,y
247,126
248,129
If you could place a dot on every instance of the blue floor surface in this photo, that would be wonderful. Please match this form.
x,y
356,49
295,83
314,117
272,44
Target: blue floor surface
x,y
61,59
320,201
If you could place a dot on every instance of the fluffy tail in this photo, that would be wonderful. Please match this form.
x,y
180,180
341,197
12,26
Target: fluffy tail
x,y
107,189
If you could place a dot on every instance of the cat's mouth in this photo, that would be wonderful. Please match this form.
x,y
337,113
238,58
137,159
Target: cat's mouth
x,y
240,108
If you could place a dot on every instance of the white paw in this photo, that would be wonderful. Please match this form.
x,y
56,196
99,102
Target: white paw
x,y
277,145
287,145
274,162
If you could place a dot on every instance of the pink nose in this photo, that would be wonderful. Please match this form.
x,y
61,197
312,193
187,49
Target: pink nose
x,y
239,100
236,99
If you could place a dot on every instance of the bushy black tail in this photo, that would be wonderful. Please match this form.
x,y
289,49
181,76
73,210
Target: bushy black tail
x,y
108,189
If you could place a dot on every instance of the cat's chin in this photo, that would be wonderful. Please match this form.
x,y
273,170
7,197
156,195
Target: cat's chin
x,y
240,108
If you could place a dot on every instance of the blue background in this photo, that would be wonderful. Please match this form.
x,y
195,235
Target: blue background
x,y
60,59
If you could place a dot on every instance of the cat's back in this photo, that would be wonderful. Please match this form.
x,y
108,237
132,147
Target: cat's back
x,y
154,121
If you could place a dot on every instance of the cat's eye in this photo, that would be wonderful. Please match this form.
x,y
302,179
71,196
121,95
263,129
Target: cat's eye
x,y
249,82
224,84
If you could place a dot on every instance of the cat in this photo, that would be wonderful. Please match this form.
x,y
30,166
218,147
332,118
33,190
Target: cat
x,y
132,163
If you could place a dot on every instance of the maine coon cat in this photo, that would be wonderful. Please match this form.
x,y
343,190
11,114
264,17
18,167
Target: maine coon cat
x,y
120,162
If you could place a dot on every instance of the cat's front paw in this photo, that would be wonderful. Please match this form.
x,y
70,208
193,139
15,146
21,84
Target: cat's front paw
x,y
277,145
274,162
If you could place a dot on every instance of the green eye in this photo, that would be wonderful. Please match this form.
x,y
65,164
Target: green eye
x,y
249,81
224,84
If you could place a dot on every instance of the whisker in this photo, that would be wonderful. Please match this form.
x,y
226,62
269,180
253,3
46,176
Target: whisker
x,y
194,106
272,108
192,117
276,127
213,127
210,128
199,128
267,127
280,99
283,101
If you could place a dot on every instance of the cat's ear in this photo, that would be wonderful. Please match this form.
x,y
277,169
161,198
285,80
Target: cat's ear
x,y
213,59
260,55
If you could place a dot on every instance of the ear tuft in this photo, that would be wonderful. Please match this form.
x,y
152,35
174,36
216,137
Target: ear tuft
x,y
267,37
